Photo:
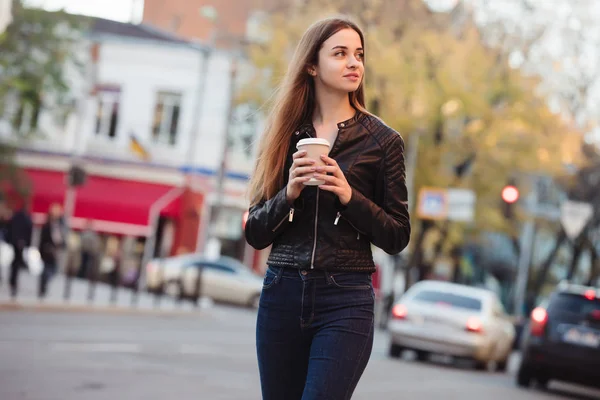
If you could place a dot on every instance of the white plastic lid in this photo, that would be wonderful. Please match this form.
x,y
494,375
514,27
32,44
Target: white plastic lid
x,y
304,142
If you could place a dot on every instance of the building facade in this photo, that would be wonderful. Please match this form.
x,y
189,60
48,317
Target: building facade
x,y
150,117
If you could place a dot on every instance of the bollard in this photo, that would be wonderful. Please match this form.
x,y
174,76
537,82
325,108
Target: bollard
x,y
68,281
159,290
92,278
136,285
115,283
199,285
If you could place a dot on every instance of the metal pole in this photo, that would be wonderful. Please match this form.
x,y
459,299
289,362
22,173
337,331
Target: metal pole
x,y
200,95
221,174
411,164
527,242
71,192
69,210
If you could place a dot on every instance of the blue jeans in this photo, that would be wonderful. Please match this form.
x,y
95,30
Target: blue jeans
x,y
314,333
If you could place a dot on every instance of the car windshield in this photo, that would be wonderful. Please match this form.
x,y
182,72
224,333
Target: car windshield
x,y
449,299
574,304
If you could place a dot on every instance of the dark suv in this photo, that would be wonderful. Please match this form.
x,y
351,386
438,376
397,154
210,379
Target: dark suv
x,y
562,339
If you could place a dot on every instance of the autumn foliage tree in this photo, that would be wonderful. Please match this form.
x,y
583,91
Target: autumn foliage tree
x,y
430,76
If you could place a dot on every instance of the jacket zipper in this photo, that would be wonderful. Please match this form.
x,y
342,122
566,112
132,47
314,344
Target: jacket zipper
x,y
289,217
337,219
312,260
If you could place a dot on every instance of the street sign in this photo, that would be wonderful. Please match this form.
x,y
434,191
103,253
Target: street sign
x,y
446,204
461,205
574,216
432,204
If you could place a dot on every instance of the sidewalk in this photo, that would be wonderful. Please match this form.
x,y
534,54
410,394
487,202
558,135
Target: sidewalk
x,y
78,300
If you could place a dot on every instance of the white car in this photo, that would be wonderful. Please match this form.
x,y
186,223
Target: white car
x,y
224,279
451,319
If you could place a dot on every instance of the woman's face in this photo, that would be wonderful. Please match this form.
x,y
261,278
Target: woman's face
x,y
340,62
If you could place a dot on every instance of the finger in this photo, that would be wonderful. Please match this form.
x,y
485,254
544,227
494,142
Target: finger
x,y
329,169
298,154
300,179
303,170
332,180
302,161
328,160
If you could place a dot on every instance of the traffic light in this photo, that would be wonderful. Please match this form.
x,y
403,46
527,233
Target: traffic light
x,y
510,195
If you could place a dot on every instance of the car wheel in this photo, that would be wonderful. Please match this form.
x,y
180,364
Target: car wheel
x,y
524,376
481,365
422,355
501,366
542,382
395,350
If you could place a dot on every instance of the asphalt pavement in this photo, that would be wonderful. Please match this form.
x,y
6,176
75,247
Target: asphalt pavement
x,y
203,355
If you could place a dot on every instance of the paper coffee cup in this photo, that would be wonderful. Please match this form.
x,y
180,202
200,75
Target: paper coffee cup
x,y
315,148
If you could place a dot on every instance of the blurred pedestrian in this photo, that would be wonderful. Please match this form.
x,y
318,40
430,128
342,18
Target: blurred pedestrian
x,y
20,228
90,249
315,320
52,241
4,222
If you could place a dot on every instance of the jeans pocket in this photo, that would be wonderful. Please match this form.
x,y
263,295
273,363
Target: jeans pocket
x,y
351,280
272,276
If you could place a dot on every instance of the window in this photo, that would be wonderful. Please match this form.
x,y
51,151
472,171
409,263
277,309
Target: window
x,y
107,111
166,118
220,268
449,299
21,110
573,304
27,117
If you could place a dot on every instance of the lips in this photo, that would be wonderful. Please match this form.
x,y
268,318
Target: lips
x,y
353,75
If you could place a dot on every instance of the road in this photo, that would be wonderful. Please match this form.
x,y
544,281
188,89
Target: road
x,y
205,355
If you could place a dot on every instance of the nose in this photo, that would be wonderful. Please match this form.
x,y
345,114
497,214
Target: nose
x,y
353,62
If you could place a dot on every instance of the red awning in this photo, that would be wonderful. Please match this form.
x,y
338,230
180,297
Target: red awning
x,y
114,205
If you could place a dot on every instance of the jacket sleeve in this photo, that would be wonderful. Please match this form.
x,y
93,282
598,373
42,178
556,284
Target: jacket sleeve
x,y
387,225
267,219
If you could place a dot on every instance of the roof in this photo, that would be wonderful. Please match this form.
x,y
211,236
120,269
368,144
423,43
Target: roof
x,y
144,32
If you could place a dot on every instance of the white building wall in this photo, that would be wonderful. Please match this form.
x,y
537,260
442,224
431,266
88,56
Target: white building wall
x,y
141,70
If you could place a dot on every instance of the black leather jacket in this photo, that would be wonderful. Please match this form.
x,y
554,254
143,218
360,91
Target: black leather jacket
x,y
317,231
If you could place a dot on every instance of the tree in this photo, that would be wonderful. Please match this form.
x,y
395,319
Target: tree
x,y
430,75
35,49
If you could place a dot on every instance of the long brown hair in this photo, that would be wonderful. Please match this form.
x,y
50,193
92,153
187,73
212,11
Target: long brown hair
x,y
294,105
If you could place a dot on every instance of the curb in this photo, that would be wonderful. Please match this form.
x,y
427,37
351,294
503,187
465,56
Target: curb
x,y
90,309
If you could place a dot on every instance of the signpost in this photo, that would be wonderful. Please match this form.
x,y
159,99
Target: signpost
x,y
446,204
574,216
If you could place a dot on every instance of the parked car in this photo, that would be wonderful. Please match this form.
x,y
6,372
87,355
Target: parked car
x,y
562,339
451,319
224,279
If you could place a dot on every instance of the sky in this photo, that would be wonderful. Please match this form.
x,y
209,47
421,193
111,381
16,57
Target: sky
x,y
120,10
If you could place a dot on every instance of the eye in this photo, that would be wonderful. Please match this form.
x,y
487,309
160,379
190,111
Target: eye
x,y
360,56
339,53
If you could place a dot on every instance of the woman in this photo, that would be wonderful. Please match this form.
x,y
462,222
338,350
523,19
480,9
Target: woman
x,y
315,320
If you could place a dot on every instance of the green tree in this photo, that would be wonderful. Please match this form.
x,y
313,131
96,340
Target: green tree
x,y
35,50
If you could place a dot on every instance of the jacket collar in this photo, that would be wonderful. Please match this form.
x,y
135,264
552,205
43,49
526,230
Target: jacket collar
x,y
307,129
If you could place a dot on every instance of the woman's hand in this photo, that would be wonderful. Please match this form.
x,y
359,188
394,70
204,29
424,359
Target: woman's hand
x,y
335,183
301,171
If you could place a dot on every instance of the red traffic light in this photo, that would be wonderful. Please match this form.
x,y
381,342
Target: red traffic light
x,y
510,194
